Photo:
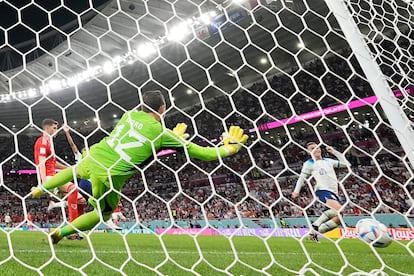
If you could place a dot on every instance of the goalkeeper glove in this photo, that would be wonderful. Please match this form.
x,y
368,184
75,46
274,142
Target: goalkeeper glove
x,y
180,129
37,191
233,141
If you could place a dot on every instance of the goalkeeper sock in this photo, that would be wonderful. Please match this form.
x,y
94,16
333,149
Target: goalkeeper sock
x,y
72,202
326,215
60,179
327,226
82,223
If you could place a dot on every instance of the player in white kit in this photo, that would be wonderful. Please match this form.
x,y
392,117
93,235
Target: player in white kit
x,y
326,188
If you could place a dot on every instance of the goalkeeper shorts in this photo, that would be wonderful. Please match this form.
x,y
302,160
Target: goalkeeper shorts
x,y
106,189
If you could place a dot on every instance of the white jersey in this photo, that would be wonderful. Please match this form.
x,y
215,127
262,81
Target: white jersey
x,y
323,170
78,157
7,219
324,173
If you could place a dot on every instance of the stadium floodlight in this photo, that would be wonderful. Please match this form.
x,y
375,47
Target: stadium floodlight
x,y
73,81
213,14
75,122
44,89
263,60
146,49
31,92
63,83
301,45
178,32
108,67
55,84
205,18
190,21
114,116
90,72
189,91
117,59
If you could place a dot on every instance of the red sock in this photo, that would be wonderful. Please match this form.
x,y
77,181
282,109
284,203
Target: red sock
x,y
72,202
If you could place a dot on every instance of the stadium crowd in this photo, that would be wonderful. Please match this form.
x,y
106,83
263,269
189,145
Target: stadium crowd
x,y
255,182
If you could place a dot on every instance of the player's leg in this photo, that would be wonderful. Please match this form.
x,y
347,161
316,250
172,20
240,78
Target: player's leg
x,y
85,188
81,204
122,217
323,223
52,204
334,220
107,205
113,221
60,179
324,217
86,221
72,201
115,218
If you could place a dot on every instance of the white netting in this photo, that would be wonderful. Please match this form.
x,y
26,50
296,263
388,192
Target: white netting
x,y
282,70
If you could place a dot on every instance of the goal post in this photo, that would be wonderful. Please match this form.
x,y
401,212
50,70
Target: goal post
x,y
338,73
399,121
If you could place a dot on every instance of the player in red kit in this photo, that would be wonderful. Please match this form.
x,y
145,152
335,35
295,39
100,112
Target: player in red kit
x,y
75,208
29,221
116,217
45,159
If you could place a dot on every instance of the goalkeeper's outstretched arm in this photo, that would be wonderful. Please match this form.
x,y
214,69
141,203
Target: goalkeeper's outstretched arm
x,y
232,142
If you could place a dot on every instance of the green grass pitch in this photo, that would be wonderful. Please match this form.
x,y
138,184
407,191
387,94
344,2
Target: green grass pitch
x,y
110,248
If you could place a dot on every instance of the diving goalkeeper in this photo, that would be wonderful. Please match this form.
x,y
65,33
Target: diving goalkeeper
x,y
110,163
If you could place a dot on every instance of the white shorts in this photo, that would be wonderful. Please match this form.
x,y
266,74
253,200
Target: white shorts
x,y
118,216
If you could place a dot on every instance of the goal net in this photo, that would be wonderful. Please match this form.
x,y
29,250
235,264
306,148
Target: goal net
x,y
338,73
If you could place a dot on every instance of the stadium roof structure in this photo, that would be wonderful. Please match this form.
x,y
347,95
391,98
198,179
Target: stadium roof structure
x,y
108,31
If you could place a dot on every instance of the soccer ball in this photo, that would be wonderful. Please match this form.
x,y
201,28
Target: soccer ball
x,y
373,232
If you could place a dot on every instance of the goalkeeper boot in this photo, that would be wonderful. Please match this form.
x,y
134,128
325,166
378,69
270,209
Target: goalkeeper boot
x,y
74,237
56,236
36,192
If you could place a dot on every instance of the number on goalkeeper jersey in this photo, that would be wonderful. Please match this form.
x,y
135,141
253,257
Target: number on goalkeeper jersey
x,y
132,139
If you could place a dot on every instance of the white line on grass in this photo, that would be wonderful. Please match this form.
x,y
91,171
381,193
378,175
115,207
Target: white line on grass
x,y
84,251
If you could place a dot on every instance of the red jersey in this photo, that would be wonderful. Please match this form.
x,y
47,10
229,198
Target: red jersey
x,y
43,147
29,217
117,210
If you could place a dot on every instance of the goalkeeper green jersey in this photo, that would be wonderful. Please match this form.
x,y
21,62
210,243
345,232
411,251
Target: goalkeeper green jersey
x,y
136,138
